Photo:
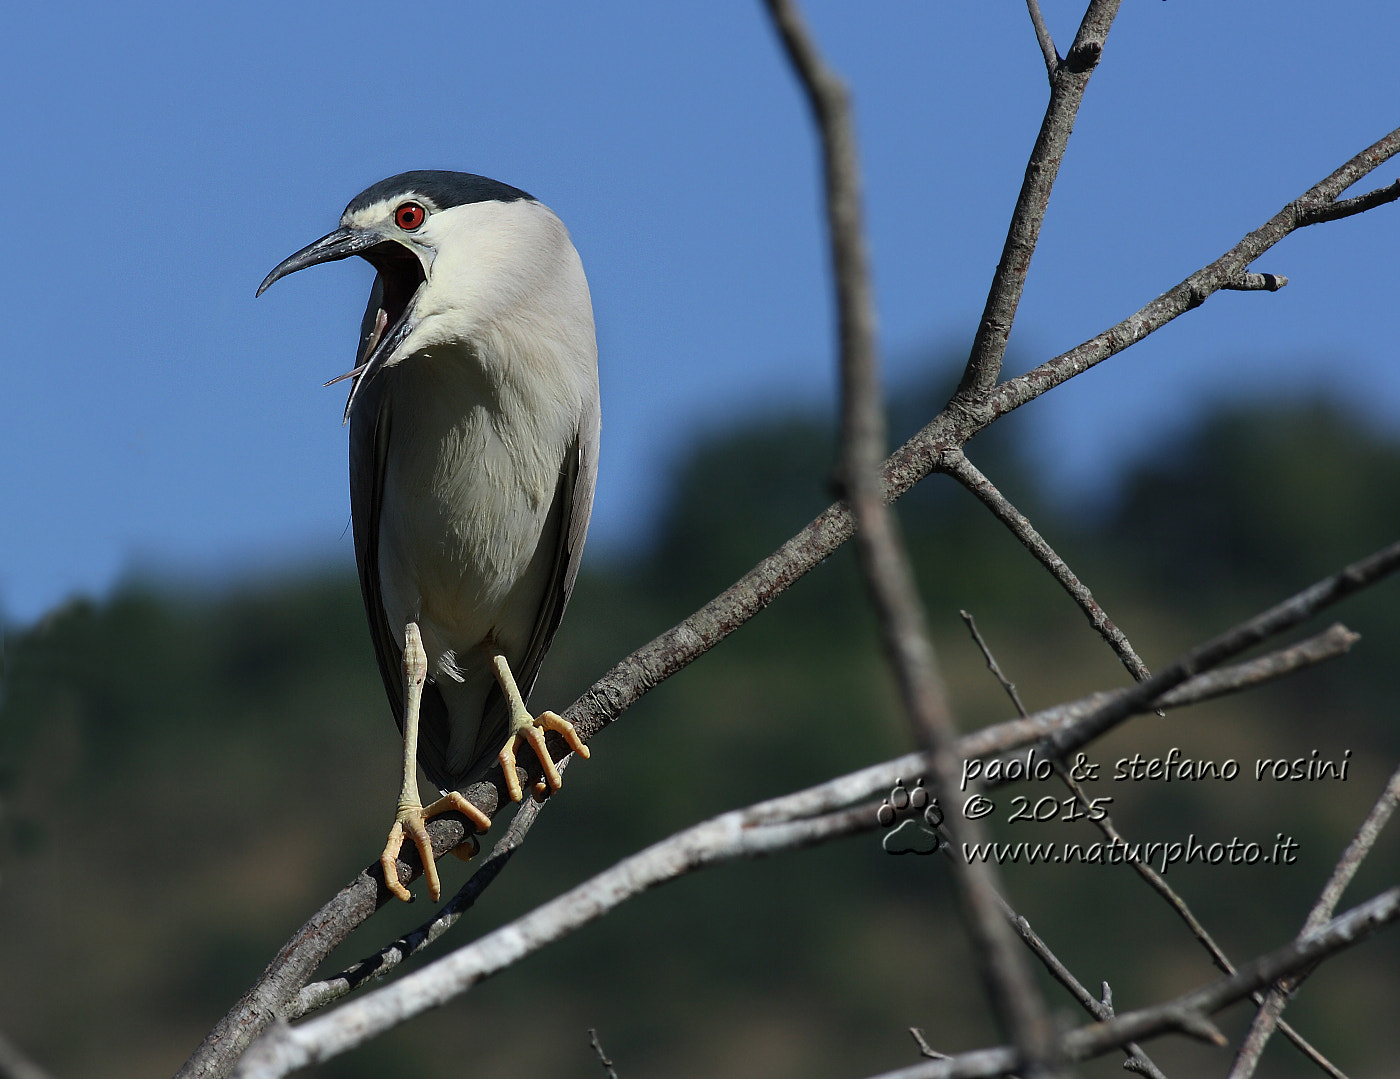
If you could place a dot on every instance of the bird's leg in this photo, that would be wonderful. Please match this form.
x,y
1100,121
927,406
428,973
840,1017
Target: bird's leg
x,y
411,817
527,727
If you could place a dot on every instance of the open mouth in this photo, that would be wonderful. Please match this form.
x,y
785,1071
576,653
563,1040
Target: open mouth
x,y
401,274
400,278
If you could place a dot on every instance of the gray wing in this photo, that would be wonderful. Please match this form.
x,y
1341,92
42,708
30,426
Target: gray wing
x,y
569,516
370,430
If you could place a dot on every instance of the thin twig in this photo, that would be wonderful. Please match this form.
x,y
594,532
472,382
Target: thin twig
x,y
885,565
1348,207
992,664
602,1056
1277,999
965,472
1272,622
1047,43
1067,721
1186,1013
926,1050
1335,639
1316,204
1070,80
1137,1060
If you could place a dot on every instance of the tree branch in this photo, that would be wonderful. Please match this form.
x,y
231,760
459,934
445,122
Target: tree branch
x,y
1256,282
993,665
884,561
1246,635
1335,639
1137,1060
320,994
1047,43
815,815
1277,999
965,472
1066,719
1316,204
1193,924
1186,1013
1347,207
223,1047
730,836
1067,85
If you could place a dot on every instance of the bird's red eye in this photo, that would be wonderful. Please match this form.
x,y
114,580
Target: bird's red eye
x,y
409,216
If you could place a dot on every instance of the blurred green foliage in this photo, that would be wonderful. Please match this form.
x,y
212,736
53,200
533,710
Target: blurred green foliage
x,y
184,777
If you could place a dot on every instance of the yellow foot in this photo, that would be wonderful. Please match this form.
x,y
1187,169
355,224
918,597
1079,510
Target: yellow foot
x,y
532,732
411,821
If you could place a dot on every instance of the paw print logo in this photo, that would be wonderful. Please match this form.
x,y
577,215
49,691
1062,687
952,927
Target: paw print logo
x,y
918,815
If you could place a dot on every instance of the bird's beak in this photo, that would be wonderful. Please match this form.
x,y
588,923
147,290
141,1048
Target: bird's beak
x,y
340,244
395,304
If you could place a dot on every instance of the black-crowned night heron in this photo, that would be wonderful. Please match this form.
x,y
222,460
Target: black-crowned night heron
x,y
473,451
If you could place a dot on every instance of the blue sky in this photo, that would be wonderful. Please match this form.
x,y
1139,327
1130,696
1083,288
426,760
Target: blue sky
x,y
160,161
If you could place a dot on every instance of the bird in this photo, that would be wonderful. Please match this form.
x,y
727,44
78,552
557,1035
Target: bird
x,y
474,428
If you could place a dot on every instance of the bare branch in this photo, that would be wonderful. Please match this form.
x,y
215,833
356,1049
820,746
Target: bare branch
x,y
1186,1013
1137,1060
884,562
1328,939
765,828
1277,999
1065,719
1047,43
926,1050
261,1005
725,838
965,472
1067,85
1333,641
602,1056
1355,854
993,665
1276,620
1314,205
1347,207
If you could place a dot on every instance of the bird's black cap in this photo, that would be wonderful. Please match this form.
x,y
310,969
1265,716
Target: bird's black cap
x,y
442,189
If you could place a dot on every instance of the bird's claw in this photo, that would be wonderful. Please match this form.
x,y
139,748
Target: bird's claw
x,y
533,733
411,822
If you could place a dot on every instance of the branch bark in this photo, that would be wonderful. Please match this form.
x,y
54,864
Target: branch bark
x,y
965,472
1067,85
